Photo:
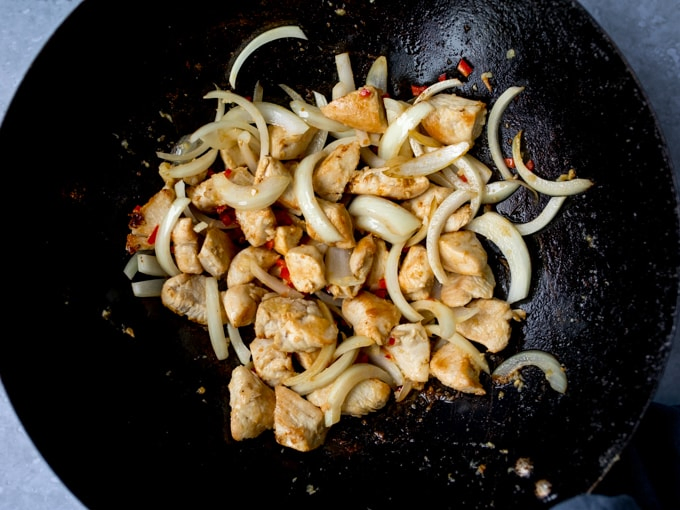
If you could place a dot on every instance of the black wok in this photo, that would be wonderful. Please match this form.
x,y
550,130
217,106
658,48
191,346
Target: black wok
x,y
107,385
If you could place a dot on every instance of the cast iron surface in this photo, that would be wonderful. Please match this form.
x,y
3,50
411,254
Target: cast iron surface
x,y
108,386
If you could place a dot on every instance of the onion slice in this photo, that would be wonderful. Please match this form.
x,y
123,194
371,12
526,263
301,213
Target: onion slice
x,y
162,245
252,196
545,186
546,216
392,284
148,288
397,132
328,374
194,167
429,162
385,218
493,125
273,34
503,233
240,348
322,360
436,88
554,372
219,341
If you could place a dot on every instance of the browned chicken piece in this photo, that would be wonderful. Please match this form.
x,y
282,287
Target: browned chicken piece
x,y
217,252
241,302
240,268
456,369
416,277
184,294
306,268
374,181
298,423
271,364
361,109
287,237
375,281
454,119
340,218
409,346
371,316
460,289
268,167
185,242
333,173
295,324
252,404
285,146
366,397
230,152
361,259
258,225
490,326
144,221
462,252
421,205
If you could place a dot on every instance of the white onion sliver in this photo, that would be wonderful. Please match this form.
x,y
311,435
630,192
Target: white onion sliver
x,y
344,384
462,343
352,342
270,35
498,191
377,74
397,132
162,245
379,357
322,360
195,167
148,288
503,233
450,204
437,87
545,186
375,212
546,216
313,116
554,372
446,317
249,197
131,266
328,374
148,264
279,116
343,65
429,162
274,283
493,125
392,284
236,340
213,307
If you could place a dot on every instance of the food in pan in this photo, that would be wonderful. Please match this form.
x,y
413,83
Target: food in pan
x,y
336,247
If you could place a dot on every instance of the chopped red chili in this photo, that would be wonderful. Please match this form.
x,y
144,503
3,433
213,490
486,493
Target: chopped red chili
x,y
509,162
365,92
152,237
464,67
416,90
442,77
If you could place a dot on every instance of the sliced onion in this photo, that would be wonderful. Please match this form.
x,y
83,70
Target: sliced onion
x,y
131,266
195,167
475,181
384,218
377,74
352,342
462,343
252,196
338,271
493,125
309,205
392,284
503,233
397,132
210,133
446,317
272,282
429,162
292,93
255,114
328,374
344,384
380,358
498,191
436,88
236,340
183,156
554,372
148,288
313,116
546,216
279,116
343,65
273,34
448,206
322,360
545,186
213,304
148,264
162,245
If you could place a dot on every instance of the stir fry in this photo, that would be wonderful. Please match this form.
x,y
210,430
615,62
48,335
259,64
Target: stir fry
x,y
345,236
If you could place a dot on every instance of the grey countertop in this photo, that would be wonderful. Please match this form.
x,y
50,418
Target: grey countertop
x,y
646,33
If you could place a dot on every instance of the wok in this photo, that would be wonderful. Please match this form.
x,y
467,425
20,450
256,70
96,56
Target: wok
x,y
107,385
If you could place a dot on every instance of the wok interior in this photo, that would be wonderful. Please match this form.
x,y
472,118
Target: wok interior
x,y
113,378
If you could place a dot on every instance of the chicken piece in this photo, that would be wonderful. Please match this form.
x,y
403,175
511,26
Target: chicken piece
x,y
461,289
271,364
146,219
421,205
295,324
454,119
371,316
361,259
375,281
298,423
374,181
217,252
339,216
284,146
241,301
458,219
184,294
286,237
185,242
239,270
306,268
268,167
416,277
333,173
409,346
462,252
361,109
258,225
456,369
366,397
230,151
252,404
490,326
